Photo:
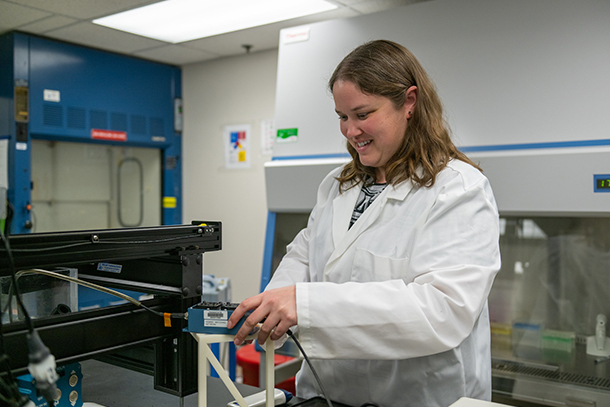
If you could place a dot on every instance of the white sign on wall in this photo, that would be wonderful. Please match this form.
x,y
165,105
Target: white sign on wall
x,y
267,136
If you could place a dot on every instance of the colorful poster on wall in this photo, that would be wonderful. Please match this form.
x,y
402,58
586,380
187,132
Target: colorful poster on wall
x,y
237,146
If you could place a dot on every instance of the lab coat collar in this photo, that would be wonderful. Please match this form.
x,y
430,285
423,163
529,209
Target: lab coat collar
x,y
343,206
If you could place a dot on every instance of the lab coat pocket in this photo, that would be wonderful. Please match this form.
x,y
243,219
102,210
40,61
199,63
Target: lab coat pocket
x,y
371,267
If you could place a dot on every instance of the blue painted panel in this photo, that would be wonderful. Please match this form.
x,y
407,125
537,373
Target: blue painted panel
x,y
19,152
536,146
473,149
172,164
311,157
93,89
268,252
172,181
99,90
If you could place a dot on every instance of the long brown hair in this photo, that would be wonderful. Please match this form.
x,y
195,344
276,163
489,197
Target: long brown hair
x,y
388,69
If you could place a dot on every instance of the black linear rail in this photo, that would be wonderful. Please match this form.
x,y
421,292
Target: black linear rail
x,y
164,260
85,334
39,250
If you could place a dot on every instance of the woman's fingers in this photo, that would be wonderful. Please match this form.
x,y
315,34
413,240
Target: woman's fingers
x,y
277,307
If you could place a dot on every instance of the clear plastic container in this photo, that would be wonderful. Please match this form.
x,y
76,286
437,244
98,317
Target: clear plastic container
x,y
527,339
41,295
558,340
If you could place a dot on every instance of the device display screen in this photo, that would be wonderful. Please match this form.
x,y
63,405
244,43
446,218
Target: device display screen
x,y
602,183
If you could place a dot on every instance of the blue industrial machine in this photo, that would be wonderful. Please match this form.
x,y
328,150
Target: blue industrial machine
x,y
55,91
60,92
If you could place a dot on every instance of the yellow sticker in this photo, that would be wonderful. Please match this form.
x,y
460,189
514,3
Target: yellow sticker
x,y
169,201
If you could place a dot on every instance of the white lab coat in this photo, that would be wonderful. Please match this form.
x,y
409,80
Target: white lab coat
x,y
394,310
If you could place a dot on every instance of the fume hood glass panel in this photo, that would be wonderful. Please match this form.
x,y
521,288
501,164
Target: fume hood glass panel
x,y
546,304
78,186
287,226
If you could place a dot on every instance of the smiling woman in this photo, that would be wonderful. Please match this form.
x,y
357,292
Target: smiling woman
x,y
373,126
390,73
388,283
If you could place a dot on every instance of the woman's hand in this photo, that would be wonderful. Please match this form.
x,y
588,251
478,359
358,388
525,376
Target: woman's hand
x,y
278,306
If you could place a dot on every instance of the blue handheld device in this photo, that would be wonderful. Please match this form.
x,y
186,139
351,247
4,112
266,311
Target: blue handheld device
x,y
212,317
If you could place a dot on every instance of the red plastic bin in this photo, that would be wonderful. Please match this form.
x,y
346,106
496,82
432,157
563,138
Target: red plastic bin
x,y
249,360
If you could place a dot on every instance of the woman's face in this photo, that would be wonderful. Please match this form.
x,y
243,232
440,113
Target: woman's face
x,y
371,124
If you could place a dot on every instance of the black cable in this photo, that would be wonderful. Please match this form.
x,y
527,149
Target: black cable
x,y
42,362
315,374
9,296
11,265
167,239
178,315
10,394
10,211
118,242
94,287
2,351
6,388
13,397
47,249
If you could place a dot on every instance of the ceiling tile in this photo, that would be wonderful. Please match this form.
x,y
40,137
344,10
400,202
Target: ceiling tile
x,y
351,2
260,38
101,37
341,12
13,15
232,43
47,24
175,55
369,6
70,20
85,9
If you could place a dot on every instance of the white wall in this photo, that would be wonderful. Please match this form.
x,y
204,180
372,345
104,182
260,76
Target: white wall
x,y
228,91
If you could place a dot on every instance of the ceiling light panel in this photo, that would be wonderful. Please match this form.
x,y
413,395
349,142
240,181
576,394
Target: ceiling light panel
x,y
184,20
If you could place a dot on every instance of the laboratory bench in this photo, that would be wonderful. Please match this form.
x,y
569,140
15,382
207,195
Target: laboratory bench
x,y
107,385
113,386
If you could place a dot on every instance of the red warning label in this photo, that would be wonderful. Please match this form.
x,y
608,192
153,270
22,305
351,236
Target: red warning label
x,y
108,135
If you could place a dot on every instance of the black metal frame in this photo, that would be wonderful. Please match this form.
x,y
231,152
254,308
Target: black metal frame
x,y
165,261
